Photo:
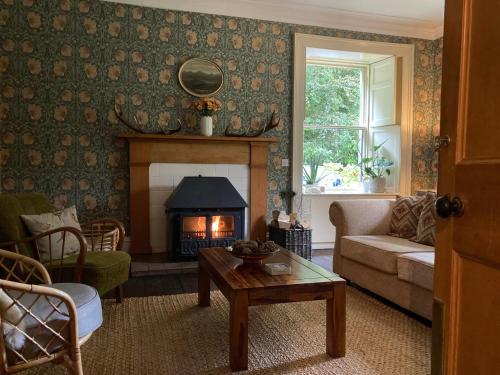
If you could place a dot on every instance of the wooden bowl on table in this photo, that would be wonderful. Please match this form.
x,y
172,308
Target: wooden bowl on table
x,y
252,252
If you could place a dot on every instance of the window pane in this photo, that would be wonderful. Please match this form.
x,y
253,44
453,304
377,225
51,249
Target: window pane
x,y
331,158
333,95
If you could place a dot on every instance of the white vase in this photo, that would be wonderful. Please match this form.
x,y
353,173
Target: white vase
x,y
377,185
206,126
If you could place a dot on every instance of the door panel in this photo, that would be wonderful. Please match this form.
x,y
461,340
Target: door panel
x,y
477,232
481,80
478,324
467,273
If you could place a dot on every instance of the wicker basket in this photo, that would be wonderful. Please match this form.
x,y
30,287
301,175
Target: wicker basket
x,y
297,241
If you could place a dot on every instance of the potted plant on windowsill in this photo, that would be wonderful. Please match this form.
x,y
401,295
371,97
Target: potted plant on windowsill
x,y
377,167
314,158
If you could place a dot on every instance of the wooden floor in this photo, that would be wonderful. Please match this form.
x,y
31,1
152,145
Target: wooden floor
x,y
157,285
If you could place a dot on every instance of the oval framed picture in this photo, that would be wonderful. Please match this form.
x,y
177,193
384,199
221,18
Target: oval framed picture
x,y
201,77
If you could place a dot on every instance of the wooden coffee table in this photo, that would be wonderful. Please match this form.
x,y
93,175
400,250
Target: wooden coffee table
x,y
251,286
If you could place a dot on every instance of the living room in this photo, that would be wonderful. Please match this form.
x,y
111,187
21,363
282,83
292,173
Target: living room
x,y
212,187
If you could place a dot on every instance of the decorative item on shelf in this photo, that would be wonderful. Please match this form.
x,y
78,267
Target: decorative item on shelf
x,y
253,252
274,222
201,77
376,167
274,121
207,107
137,128
294,223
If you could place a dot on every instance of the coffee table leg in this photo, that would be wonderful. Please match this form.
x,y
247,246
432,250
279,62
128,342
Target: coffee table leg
x,y
203,286
238,331
335,322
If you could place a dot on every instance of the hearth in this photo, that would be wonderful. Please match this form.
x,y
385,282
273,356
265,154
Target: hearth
x,y
203,212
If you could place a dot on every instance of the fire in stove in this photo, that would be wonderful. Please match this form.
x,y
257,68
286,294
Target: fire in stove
x,y
194,227
222,226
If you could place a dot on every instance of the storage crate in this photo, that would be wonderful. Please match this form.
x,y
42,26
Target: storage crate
x,y
297,241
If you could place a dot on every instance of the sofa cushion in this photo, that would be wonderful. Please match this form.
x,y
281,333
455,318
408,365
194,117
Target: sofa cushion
x,y
417,268
426,229
405,215
379,252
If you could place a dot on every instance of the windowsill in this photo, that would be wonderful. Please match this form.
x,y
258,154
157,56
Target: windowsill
x,y
350,194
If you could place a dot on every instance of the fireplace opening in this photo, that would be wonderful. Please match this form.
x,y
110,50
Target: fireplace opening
x,y
194,227
222,226
203,212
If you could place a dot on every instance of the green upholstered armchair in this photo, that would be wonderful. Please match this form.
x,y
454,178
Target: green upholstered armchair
x,y
99,263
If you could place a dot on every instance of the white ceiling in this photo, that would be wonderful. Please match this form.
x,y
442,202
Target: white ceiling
x,y
423,10
411,18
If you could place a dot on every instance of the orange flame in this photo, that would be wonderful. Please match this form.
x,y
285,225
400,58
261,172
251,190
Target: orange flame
x,y
215,226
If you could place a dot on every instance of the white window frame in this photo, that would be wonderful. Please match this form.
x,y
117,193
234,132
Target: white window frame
x,y
404,51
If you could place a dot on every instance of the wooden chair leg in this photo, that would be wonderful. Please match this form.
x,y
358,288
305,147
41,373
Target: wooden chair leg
x,y
119,294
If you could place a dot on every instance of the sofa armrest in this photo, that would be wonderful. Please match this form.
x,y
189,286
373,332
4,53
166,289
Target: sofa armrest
x,y
358,217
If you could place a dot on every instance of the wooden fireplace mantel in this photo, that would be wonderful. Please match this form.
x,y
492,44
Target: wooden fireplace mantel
x,y
145,149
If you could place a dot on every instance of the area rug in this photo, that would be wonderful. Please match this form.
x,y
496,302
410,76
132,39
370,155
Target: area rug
x,y
172,335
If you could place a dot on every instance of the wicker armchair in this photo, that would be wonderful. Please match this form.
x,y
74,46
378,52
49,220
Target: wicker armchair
x,y
47,325
99,263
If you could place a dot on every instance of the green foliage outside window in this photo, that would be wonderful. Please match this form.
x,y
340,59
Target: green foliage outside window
x,y
333,97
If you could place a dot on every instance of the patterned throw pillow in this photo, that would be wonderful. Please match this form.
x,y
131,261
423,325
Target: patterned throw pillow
x,y
38,224
405,216
426,230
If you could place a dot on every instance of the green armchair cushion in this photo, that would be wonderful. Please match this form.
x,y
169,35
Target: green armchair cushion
x,y
12,206
104,270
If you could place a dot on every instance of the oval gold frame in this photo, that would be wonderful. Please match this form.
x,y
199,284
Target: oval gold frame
x,y
189,91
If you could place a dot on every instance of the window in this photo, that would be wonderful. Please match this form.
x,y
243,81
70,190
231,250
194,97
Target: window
x,y
335,125
375,80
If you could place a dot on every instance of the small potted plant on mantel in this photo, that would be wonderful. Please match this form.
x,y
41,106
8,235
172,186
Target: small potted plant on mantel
x,y
207,107
376,167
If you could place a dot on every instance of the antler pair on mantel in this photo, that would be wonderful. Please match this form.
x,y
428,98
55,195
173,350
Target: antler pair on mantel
x,y
137,128
273,122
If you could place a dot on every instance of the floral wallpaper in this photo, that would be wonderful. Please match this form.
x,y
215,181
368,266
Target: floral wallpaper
x,y
65,63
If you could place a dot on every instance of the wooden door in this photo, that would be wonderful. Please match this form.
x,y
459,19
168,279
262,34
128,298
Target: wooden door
x,y
466,333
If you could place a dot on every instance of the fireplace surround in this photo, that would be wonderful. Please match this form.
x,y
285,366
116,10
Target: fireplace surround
x,y
145,149
203,212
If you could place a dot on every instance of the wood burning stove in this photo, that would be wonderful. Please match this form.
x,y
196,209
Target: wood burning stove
x,y
203,212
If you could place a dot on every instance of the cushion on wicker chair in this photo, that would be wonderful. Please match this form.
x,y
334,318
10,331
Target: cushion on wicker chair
x,y
103,270
41,223
89,317
87,302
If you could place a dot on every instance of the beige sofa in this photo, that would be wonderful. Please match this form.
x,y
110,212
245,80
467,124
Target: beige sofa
x,y
394,268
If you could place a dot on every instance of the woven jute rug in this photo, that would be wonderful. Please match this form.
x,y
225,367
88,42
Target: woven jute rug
x,y
172,335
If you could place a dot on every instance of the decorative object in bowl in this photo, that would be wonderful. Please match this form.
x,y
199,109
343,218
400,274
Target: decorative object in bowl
x,y
253,252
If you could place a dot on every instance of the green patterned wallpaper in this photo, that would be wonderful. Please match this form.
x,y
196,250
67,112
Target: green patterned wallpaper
x,y
65,63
